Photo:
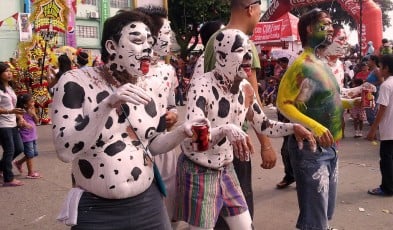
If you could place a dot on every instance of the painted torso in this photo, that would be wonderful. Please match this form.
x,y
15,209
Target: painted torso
x,y
317,95
209,97
163,77
107,158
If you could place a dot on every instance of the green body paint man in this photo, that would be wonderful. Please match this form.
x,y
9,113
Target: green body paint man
x,y
310,95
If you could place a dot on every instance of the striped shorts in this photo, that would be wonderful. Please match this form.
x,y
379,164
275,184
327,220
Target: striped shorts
x,y
204,193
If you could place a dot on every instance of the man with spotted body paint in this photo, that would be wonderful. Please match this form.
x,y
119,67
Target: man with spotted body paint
x,y
207,183
103,118
310,95
165,73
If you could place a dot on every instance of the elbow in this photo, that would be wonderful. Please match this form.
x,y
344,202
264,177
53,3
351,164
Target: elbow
x,y
155,151
63,156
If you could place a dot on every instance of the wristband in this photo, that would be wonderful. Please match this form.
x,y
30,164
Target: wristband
x,y
264,149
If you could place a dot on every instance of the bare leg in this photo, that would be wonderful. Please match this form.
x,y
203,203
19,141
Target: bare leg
x,y
21,161
355,124
198,228
242,221
29,163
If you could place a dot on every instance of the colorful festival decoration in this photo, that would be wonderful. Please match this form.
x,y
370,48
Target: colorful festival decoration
x,y
50,13
49,17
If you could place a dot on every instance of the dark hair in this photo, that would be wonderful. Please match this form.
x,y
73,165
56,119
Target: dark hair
x,y
283,60
239,3
336,28
114,25
375,59
22,100
357,82
3,67
157,14
64,65
307,19
385,40
208,29
82,58
386,60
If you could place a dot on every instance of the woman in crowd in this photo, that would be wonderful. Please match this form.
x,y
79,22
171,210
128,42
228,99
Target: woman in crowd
x,y
375,78
65,64
9,134
82,58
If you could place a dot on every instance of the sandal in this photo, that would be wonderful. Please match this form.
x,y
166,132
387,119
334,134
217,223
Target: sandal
x,y
283,184
378,192
13,183
18,166
34,175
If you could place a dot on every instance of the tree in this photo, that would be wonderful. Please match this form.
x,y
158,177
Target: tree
x,y
187,15
339,15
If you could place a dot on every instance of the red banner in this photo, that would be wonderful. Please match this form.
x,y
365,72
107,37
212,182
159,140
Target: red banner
x,y
371,15
267,31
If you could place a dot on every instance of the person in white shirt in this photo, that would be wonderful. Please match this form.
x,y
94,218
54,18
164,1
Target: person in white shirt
x,y
383,121
9,134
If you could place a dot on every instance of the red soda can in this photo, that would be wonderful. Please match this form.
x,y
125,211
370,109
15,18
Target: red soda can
x,y
367,98
200,138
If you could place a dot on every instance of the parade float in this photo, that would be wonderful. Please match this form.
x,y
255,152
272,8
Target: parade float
x,y
48,18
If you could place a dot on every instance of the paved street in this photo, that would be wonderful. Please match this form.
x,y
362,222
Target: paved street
x,y
36,204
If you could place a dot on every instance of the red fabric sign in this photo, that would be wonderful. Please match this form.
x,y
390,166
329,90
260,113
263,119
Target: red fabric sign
x,y
267,31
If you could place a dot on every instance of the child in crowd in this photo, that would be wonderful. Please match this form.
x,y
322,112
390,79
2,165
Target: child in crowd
x,y
270,93
28,131
358,113
383,124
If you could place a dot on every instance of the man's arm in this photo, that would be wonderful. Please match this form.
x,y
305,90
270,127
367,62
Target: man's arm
x,y
374,127
294,89
268,154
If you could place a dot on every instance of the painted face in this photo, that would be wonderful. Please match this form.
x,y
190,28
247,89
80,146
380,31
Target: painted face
x,y
133,51
339,45
233,54
162,46
322,32
6,76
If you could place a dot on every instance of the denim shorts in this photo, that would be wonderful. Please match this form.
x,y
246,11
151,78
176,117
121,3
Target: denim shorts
x,y
30,149
316,175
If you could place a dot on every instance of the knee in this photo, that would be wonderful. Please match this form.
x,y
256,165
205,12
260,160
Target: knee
x,y
241,221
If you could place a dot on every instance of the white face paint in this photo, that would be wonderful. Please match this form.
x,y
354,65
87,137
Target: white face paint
x,y
133,52
162,46
233,54
339,45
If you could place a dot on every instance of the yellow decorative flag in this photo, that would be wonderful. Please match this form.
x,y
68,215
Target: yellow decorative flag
x,y
50,14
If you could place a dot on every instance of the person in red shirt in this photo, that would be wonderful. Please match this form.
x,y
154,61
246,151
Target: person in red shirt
x,y
363,73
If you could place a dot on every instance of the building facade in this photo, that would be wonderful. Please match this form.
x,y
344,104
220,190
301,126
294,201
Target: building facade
x,y
88,22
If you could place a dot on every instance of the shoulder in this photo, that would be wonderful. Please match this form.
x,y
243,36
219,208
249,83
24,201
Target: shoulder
x,y
387,84
81,78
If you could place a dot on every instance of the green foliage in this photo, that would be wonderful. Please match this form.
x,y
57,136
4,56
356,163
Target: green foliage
x,y
187,15
339,15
